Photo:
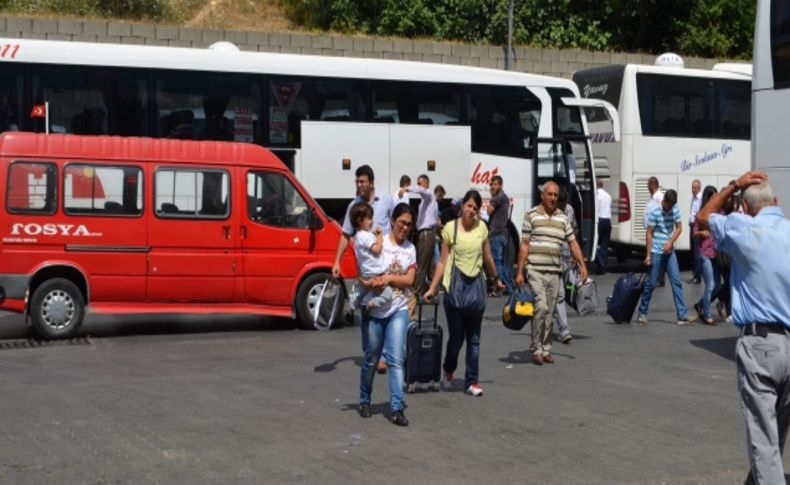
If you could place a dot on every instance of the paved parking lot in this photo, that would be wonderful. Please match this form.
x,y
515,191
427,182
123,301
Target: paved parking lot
x,y
243,400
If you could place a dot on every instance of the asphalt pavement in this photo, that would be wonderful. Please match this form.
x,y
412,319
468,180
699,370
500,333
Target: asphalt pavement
x,y
229,399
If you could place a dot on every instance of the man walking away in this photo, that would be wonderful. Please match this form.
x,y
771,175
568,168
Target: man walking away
x,y
757,243
498,211
604,204
544,229
694,242
663,229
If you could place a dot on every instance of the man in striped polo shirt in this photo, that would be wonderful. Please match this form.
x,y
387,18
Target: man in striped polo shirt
x,y
543,231
663,229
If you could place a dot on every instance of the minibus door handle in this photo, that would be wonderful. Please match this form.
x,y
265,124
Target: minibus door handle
x,y
226,231
244,232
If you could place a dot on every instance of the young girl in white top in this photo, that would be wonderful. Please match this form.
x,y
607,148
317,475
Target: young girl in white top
x,y
367,248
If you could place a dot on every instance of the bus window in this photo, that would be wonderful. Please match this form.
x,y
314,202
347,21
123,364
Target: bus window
x,y
11,91
273,200
91,101
567,119
676,105
102,190
504,120
208,106
31,188
780,43
734,104
184,193
294,99
416,103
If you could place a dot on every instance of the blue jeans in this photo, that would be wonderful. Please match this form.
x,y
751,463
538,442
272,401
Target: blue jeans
x,y
710,275
463,325
388,334
498,244
664,262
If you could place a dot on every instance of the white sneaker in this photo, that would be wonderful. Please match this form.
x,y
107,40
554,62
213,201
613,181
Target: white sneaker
x,y
642,319
447,381
475,390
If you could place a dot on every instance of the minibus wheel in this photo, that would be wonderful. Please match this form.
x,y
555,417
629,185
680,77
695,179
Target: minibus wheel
x,y
307,297
57,309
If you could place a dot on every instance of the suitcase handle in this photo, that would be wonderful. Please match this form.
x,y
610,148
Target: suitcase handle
x,y
435,303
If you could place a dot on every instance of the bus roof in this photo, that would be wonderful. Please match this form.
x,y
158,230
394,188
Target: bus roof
x,y
227,60
117,148
724,70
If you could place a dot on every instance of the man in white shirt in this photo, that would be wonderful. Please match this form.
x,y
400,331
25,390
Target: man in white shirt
x,y
694,242
402,194
427,222
604,205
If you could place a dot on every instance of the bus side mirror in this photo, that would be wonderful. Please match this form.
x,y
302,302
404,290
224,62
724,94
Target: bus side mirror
x,y
313,221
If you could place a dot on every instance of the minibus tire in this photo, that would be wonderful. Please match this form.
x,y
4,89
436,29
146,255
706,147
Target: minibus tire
x,y
57,309
307,289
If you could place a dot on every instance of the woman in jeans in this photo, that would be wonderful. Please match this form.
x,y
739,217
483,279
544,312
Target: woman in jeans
x,y
708,267
469,249
385,327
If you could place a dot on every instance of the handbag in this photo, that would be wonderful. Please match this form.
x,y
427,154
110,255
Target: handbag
x,y
519,309
466,292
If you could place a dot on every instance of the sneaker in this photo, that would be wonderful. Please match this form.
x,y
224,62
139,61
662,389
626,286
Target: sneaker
x,y
398,419
447,381
642,319
364,410
709,321
475,390
685,321
566,339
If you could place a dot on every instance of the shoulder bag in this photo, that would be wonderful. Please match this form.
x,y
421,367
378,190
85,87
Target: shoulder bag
x,y
466,292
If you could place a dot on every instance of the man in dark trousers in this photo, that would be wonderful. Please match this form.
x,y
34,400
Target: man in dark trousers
x,y
427,225
757,243
498,211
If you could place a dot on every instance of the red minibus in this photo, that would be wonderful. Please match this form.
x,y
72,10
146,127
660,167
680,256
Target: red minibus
x,y
136,225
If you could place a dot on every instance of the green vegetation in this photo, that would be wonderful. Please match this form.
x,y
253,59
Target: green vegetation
x,y
711,28
153,10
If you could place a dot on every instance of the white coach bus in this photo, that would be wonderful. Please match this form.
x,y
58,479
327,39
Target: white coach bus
x,y
677,124
323,116
771,96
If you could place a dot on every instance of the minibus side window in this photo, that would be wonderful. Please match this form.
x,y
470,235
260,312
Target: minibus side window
x,y
192,194
31,188
274,201
102,190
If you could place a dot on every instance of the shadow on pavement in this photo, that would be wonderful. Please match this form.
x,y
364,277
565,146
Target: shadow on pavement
x,y
332,366
723,347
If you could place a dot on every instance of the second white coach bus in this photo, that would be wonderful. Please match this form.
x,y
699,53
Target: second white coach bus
x,y
678,124
771,96
323,116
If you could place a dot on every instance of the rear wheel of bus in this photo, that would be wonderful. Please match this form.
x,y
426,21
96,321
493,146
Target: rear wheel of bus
x,y
307,299
57,309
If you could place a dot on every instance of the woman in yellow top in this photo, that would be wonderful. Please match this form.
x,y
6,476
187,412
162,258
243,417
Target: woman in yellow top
x,y
470,252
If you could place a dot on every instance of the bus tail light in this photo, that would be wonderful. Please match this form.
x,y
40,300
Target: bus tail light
x,y
623,204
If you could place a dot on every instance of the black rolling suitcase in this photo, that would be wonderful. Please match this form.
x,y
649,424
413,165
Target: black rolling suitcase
x,y
625,297
424,351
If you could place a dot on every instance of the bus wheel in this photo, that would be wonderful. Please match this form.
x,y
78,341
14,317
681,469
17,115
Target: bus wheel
x,y
57,309
307,298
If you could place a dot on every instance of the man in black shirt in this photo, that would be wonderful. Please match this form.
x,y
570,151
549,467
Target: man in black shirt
x,y
498,215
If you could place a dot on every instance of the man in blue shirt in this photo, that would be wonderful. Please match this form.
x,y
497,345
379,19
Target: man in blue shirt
x,y
757,243
663,229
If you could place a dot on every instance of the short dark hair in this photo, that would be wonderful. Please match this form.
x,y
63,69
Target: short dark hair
x,y
671,196
497,178
473,194
365,170
404,180
401,209
358,213
423,176
439,188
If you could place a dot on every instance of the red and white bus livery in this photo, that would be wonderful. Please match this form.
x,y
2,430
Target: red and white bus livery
x,y
138,225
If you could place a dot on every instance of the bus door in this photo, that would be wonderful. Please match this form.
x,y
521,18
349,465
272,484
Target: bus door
x,y
276,239
192,236
567,162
